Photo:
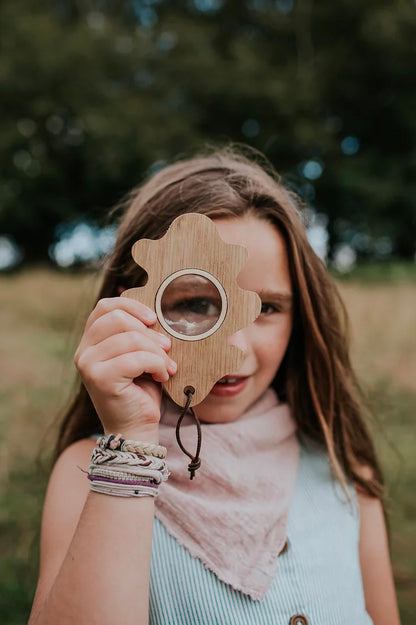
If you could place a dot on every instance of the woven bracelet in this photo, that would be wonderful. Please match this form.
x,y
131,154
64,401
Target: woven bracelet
x,y
110,457
116,442
120,472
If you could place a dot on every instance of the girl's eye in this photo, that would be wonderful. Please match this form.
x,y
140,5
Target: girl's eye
x,y
199,306
191,307
268,309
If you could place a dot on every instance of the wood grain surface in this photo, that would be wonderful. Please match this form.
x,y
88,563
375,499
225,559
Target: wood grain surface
x,y
193,242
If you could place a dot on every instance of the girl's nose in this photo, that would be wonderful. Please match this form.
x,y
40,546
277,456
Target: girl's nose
x,y
239,339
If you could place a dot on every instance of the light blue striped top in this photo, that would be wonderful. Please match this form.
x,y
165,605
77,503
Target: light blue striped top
x,y
318,577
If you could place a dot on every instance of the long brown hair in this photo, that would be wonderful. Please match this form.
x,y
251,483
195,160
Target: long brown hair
x,y
316,376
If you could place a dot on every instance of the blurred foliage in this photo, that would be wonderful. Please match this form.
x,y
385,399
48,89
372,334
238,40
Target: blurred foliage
x,y
380,272
96,94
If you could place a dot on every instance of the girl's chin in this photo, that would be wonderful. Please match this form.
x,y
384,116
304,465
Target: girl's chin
x,y
218,417
219,409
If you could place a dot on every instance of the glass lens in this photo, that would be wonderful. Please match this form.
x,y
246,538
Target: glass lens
x,y
191,304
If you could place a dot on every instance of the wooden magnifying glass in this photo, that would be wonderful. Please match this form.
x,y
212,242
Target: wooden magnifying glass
x,y
193,290
192,287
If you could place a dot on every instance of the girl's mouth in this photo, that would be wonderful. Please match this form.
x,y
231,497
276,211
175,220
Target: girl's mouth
x,y
229,386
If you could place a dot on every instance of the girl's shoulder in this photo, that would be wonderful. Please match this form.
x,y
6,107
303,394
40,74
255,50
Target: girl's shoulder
x,y
315,457
313,454
317,482
75,457
68,486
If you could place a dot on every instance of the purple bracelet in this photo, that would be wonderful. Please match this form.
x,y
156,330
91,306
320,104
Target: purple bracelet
x,y
98,478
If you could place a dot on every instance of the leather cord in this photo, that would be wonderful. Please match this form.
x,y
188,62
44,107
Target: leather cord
x,y
195,459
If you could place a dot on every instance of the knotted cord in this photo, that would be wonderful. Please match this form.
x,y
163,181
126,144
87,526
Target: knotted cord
x,y
195,460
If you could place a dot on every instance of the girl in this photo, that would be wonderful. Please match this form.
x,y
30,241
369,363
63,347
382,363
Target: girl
x,y
283,522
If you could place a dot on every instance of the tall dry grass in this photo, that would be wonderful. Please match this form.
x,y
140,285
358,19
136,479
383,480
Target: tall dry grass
x,y
383,321
41,316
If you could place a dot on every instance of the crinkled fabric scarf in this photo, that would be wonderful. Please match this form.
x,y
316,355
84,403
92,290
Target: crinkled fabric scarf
x,y
233,515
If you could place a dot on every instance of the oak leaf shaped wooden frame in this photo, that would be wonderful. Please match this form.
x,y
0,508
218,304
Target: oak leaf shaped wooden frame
x,y
193,243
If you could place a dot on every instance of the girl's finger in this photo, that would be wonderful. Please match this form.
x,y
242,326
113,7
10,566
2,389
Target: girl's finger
x,y
117,345
116,322
127,368
131,306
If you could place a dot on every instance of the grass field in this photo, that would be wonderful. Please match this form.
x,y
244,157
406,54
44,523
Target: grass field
x,y
41,314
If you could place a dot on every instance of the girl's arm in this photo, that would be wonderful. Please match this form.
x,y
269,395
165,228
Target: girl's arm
x,y
380,595
95,550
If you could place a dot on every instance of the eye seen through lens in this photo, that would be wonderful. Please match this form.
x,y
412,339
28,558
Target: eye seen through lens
x,y
191,305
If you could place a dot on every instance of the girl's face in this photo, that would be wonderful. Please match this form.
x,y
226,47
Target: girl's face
x,y
264,341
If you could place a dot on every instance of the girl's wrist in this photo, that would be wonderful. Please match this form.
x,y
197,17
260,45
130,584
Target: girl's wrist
x,y
148,433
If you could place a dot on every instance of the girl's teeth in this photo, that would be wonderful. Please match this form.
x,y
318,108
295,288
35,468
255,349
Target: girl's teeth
x,y
228,381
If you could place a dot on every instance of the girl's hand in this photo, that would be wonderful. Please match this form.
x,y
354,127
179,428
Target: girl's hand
x,y
120,360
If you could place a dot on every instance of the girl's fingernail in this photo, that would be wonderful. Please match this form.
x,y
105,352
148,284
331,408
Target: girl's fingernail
x,y
164,340
149,315
173,364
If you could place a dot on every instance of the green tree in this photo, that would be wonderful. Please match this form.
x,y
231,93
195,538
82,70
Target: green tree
x,y
94,94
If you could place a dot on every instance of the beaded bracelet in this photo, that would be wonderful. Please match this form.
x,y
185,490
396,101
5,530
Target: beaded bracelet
x,y
115,441
123,490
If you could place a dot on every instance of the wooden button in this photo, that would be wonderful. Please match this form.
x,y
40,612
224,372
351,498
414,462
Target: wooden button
x,y
284,548
298,619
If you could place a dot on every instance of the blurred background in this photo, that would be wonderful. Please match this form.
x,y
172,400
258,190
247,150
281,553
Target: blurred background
x,y
97,95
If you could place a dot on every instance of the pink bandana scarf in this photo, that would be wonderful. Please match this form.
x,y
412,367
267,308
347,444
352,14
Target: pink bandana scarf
x,y
233,515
